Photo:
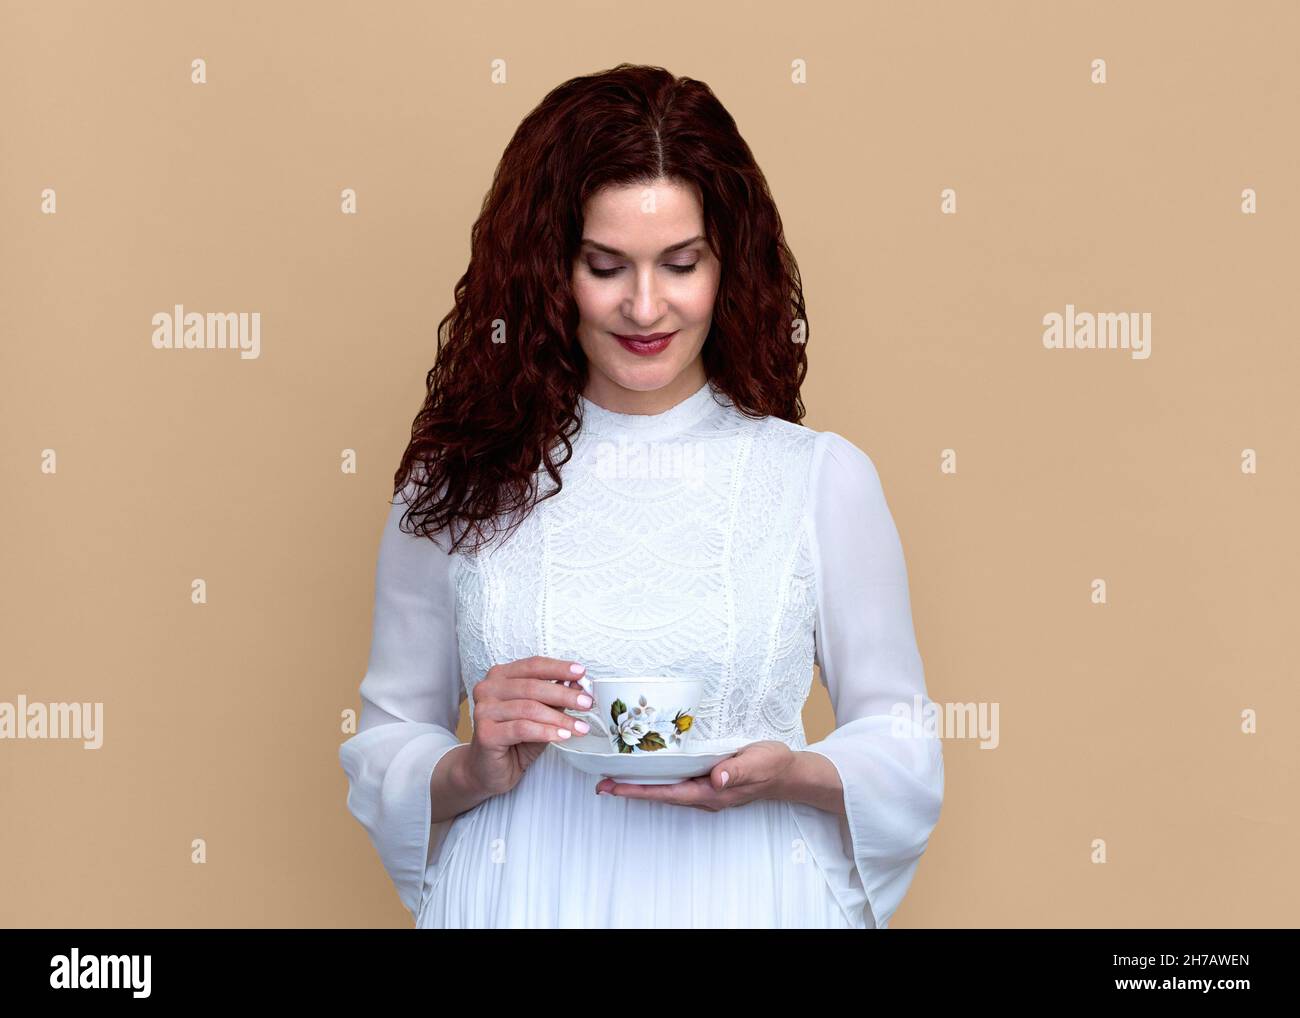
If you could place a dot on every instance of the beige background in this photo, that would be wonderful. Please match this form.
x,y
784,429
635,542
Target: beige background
x,y
222,721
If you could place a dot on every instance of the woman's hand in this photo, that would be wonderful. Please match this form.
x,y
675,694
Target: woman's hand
x,y
518,712
756,771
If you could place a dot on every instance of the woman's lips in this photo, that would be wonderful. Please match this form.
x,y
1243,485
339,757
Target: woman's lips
x,y
645,348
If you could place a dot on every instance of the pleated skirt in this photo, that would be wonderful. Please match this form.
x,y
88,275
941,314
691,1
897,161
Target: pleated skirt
x,y
550,853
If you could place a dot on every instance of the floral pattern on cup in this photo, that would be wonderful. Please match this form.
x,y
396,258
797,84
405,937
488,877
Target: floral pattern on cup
x,y
641,730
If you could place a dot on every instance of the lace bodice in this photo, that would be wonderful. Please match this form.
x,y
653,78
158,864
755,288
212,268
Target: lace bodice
x,y
678,544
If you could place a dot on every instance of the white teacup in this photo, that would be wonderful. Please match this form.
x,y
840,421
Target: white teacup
x,y
642,714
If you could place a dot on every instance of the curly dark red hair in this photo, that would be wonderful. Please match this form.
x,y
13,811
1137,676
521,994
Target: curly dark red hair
x,y
497,411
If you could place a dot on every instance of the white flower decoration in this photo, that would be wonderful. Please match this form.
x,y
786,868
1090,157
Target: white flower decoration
x,y
631,729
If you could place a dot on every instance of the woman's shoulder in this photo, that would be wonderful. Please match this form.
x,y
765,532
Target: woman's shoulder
x,y
830,465
822,450
842,472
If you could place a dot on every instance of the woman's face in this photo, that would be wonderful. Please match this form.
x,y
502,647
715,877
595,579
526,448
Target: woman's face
x,y
644,268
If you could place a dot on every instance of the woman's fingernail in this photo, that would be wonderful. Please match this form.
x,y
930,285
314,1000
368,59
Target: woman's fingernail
x,y
577,669
582,726
725,777
584,700
565,733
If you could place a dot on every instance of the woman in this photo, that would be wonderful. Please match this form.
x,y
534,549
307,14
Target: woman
x,y
631,302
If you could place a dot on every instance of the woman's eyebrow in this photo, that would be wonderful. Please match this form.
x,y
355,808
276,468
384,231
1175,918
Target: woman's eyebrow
x,y
615,251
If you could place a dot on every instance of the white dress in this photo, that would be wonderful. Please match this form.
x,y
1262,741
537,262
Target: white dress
x,y
694,541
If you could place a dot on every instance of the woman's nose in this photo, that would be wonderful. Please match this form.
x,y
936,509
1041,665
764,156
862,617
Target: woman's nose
x,y
646,305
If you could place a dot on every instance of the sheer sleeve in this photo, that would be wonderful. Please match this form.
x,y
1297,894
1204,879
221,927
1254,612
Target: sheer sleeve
x,y
410,706
890,764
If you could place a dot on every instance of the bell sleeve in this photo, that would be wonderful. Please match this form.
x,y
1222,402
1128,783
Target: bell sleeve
x,y
889,761
410,706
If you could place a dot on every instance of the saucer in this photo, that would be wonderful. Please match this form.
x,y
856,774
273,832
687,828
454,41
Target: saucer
x,y
586,754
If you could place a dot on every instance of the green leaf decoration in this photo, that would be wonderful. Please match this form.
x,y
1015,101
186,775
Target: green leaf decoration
x,y
651,741
616,710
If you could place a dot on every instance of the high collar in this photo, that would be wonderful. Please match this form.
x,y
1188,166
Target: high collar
x,y
596,420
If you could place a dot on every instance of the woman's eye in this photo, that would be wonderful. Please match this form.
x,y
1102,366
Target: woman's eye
x,y
681,270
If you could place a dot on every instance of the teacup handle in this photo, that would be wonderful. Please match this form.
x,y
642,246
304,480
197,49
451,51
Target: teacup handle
x,y
588,715
574,712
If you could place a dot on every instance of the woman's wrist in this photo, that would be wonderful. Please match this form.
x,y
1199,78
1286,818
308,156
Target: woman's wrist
x,y
452,786
814,780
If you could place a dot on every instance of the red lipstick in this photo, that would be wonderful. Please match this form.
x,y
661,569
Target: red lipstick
x,y
645,345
